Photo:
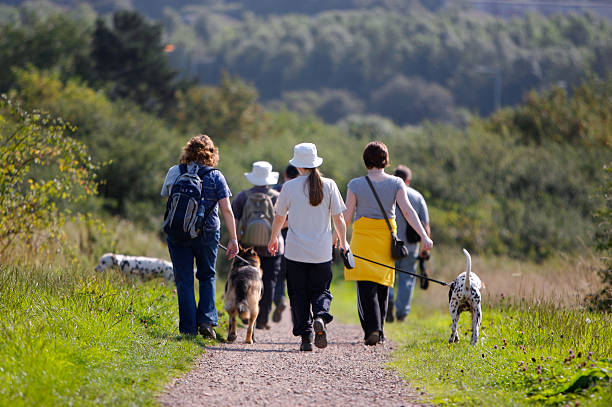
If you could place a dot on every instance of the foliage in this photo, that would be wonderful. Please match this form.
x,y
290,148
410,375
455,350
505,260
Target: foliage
x,y
584,118
59,42
602,300
227,111
452,56
407,100
330,105
137,147
350,54
522,183
43,170
129,58
527,353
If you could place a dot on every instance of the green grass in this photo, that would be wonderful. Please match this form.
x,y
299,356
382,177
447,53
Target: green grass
x,y
527,355
70,337
73,337
344,303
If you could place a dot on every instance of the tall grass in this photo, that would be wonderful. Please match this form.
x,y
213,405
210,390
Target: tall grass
x,y
537,344
563,280
526,354
74,338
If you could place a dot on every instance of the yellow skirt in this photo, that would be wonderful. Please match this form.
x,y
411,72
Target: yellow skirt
x,y
372,240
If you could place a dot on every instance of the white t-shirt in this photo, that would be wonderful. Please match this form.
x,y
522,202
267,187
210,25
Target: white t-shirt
x,y
309,238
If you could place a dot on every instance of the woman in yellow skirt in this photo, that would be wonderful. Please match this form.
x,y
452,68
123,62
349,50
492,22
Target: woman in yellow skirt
x,y
372,239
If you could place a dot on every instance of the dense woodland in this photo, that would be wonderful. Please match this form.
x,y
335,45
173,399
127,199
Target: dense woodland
x,y
525,181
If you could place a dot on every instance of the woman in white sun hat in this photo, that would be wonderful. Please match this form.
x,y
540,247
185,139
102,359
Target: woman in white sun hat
x,y
254,212
311,200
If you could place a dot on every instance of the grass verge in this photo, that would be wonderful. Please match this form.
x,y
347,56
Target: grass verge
x,y
77,338
527,355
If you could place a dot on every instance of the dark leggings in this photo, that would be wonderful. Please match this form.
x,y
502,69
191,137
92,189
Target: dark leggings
x,y
309,296
372,306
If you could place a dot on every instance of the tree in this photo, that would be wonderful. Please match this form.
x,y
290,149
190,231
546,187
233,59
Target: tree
x,y
58,43
412,100
228,111
130,58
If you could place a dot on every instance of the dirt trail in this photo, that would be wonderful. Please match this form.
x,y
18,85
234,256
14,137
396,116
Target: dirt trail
x,y
272,372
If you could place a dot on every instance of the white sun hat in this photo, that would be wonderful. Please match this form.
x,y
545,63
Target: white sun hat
x,y
305,156
262,174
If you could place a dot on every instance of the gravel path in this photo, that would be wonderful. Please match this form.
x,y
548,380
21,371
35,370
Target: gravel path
x,y
272,372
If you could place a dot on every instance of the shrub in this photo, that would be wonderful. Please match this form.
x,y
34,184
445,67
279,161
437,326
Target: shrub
x,y
42,171
602,300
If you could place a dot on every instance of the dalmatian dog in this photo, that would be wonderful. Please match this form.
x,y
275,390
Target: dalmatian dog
x,y
464,295
145,268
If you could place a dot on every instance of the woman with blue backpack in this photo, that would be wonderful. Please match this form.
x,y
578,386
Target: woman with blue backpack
x,y
195,189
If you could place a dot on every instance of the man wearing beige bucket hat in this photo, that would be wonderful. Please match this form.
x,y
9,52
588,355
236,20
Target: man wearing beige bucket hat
x,y
311,201
254,212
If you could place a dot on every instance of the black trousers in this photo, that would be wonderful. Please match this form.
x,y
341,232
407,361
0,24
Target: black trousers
x,y
271,269
372,306
309,296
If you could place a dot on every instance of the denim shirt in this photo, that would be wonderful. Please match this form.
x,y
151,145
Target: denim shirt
x,y
214,188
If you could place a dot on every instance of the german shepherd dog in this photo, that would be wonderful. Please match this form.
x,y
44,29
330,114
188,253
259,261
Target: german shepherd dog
x,y
243,291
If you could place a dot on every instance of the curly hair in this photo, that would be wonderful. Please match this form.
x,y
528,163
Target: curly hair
x,y
376,155
200,149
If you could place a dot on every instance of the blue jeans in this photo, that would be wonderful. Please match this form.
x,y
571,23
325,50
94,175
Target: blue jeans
x,y
204,250
405,282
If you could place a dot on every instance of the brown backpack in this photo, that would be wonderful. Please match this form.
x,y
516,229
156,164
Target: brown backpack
x,y
255,225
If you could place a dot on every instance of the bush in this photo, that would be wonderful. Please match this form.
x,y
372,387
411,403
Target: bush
x,y
602,300
43,171
137,148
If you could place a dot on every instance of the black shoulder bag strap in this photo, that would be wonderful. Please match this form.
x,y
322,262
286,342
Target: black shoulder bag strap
x,y
381,206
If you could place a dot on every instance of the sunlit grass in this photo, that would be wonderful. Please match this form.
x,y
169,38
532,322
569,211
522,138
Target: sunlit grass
x,y
532,350
527,354
70,337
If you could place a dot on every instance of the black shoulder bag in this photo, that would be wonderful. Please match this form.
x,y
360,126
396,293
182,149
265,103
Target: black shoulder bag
x,y
398,249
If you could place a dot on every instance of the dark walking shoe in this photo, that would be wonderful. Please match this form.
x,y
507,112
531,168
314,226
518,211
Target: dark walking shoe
x,y
320,339
401,318
306,345
207,331
278,312
259,325
372,338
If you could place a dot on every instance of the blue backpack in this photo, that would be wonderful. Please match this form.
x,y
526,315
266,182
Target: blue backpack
x,y
185,214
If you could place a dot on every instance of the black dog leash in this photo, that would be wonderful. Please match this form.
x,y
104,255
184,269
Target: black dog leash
x,y
394,268
238,257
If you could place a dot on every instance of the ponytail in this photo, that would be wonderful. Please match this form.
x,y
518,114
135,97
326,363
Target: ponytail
x,y
315,187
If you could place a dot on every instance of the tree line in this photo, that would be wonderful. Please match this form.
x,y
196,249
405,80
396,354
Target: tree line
x,y
524,182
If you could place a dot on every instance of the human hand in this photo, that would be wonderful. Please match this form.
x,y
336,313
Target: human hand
x,y
273,246
427,243
344,246
232,248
